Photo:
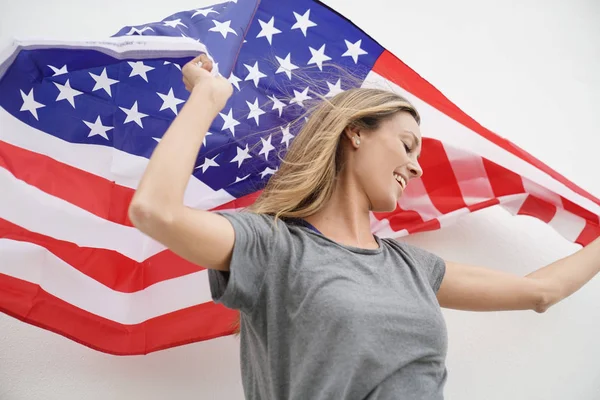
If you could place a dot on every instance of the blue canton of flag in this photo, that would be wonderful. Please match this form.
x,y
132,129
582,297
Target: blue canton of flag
x,y
273,63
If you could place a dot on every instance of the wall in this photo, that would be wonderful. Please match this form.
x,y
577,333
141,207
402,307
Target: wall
x,y
528,70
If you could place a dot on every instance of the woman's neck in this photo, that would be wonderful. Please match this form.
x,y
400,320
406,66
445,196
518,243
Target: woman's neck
x,y
345,217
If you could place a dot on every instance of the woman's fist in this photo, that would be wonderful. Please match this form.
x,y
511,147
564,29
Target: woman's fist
x,y
197,74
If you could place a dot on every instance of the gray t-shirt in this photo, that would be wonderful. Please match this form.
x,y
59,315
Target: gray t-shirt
x,y
321,320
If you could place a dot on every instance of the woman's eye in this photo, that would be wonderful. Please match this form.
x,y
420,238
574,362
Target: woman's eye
x,y
406,148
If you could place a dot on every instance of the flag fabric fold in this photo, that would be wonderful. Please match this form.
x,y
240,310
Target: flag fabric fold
x,y
80,119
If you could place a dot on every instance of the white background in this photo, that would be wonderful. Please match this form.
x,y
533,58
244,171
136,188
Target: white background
x,y
528,70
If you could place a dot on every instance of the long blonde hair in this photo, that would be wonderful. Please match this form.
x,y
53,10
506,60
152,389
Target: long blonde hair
x,y
307,174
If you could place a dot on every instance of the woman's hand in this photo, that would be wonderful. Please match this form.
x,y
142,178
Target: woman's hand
x,y
197,74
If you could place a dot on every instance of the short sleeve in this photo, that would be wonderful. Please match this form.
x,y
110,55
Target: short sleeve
x,y
434,265
240,287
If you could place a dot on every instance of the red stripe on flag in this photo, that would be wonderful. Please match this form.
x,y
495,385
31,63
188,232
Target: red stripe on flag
x,y
537,208
483,204
589,233
431,225
238,203
95,194
29,303
410,220
108,267
502,181
440,181
571,207
401,219
394,70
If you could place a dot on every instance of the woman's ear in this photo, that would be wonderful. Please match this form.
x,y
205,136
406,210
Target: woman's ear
x,y
352,133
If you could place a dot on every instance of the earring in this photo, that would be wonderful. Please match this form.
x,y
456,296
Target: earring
x,y
356,141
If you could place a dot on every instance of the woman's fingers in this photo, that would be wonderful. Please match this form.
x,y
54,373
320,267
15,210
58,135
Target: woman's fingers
x,y
204,62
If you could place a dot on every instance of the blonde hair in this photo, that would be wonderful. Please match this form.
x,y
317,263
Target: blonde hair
x,y
307,174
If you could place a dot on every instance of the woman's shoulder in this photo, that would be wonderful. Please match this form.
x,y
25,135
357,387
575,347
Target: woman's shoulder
x,y
414,253
249,217
250,222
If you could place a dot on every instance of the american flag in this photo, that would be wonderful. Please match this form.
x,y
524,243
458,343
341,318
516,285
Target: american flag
x,y
79,120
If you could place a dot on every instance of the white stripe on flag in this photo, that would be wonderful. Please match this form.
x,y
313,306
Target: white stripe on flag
x,y
383,229
567,224
35,264
513,203
470,173
451,217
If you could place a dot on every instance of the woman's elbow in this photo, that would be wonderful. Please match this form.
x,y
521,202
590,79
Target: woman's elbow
x,y
546,296
147,217
541,305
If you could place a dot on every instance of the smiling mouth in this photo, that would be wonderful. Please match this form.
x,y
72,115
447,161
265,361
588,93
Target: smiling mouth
x,y
400,180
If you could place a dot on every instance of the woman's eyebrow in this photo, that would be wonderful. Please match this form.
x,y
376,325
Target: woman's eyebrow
x,y
417,140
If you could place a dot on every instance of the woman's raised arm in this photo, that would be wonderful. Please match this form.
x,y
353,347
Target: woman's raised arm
x,y
157,207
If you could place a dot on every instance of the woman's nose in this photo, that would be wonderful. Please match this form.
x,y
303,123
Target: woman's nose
x,y
415,170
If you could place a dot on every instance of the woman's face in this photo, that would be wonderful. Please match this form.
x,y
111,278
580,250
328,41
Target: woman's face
x,y
386,159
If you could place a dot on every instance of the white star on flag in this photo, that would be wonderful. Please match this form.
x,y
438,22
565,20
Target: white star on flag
x,y
267,147
205,136
300,97
254,74
208,162
204,12
170,101
175,64
354,50
268,29
103,82
267,171
285,65
29,104
215,69
230,123
255,111
287,136
223,28
174,23
242,154
318,56
57,71
139,68
135,30
277,104
334,89
235,81
66,92
97,128
133,115
238,179
302,22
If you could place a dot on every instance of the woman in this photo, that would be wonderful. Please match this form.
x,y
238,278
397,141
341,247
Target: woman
x,y
328,310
